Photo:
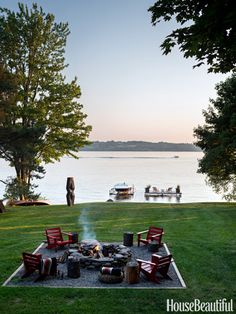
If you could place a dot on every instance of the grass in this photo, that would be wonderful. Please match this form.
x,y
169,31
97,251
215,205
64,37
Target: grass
x,y
200,236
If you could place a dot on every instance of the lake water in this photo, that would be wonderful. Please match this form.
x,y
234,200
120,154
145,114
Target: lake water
x,y
95,173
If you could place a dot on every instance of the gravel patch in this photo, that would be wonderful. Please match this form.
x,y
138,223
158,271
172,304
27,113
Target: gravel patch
x,y
89,277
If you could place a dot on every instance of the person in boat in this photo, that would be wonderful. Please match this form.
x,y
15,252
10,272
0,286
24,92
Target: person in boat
x,y
177,189
147,188
155,189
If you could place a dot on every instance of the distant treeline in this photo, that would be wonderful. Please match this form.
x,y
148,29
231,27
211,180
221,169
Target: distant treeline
x,y
140,146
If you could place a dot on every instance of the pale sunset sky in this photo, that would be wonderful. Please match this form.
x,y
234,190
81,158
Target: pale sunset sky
x,y
130,91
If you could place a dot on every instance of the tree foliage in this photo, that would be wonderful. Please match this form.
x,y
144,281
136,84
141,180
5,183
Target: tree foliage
x,y
42,119
217,139
207,30
14,188
7,92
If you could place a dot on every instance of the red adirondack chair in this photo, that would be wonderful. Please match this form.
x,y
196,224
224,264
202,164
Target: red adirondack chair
x,y
32,263
152,234
55,238
35,262
158,264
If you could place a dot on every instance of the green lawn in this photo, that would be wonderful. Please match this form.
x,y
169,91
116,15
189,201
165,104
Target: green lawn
x,y
200,236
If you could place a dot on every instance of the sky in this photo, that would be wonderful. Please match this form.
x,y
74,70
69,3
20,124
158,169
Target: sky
x,y
130,91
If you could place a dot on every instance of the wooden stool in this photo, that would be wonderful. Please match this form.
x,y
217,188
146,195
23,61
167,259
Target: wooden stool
x,y
73,267
132,273
128,238
153,246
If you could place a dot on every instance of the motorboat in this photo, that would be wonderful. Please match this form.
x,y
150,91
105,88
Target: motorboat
x,y
122,189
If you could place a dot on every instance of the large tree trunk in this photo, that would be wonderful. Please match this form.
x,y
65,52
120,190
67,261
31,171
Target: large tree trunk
x,y
23,177
2,208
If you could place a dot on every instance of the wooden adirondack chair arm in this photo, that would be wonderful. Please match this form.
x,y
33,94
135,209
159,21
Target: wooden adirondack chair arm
x,y
145,231
146,262
67,233
157,235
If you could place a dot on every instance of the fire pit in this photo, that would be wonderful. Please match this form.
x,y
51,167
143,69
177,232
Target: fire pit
x,y
91,278
93,254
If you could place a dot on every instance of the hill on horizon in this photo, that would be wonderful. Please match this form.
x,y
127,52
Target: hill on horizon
x,y
140,146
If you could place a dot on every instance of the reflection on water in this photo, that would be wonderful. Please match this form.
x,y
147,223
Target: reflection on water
x,y
123,197
95,173
168,198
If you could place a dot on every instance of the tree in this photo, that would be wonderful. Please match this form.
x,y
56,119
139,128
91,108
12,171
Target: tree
x,y
207,32
43,120
217,139
7,91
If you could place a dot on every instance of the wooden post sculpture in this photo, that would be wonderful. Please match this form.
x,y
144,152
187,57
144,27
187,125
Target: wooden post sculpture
x,y
70,187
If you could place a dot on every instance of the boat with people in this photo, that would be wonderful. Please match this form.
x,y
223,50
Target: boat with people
x,y
122,189
154,191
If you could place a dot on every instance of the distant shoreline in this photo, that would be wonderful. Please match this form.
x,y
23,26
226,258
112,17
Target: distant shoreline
x,y
141,146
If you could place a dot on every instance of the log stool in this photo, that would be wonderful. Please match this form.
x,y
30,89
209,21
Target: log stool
x,y
128,238
75,237
132,273
153,246
73,267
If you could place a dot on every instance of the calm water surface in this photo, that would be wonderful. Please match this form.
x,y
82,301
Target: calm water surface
x,y
96,172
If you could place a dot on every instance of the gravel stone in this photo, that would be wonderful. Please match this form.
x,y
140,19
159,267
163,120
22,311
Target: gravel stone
x,y
89,278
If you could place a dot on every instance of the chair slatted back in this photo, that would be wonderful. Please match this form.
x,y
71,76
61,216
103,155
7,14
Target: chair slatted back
x,y
53,232
163,261
31,261
153,231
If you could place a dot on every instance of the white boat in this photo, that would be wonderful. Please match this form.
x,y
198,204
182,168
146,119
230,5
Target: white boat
x,y
155,192
122,189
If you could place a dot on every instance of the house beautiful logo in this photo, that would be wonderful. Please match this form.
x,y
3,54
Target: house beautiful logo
x,y
221,305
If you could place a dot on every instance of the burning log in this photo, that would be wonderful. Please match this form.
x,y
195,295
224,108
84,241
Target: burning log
x,y
95,255
97,252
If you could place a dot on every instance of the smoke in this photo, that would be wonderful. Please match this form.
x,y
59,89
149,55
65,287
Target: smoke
x,y
87,229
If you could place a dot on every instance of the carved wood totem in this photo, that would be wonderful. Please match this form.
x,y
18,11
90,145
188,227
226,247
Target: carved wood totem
x,y
70,187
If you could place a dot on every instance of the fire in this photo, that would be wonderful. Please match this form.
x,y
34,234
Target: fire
x,y
91,248
97,248
97,252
